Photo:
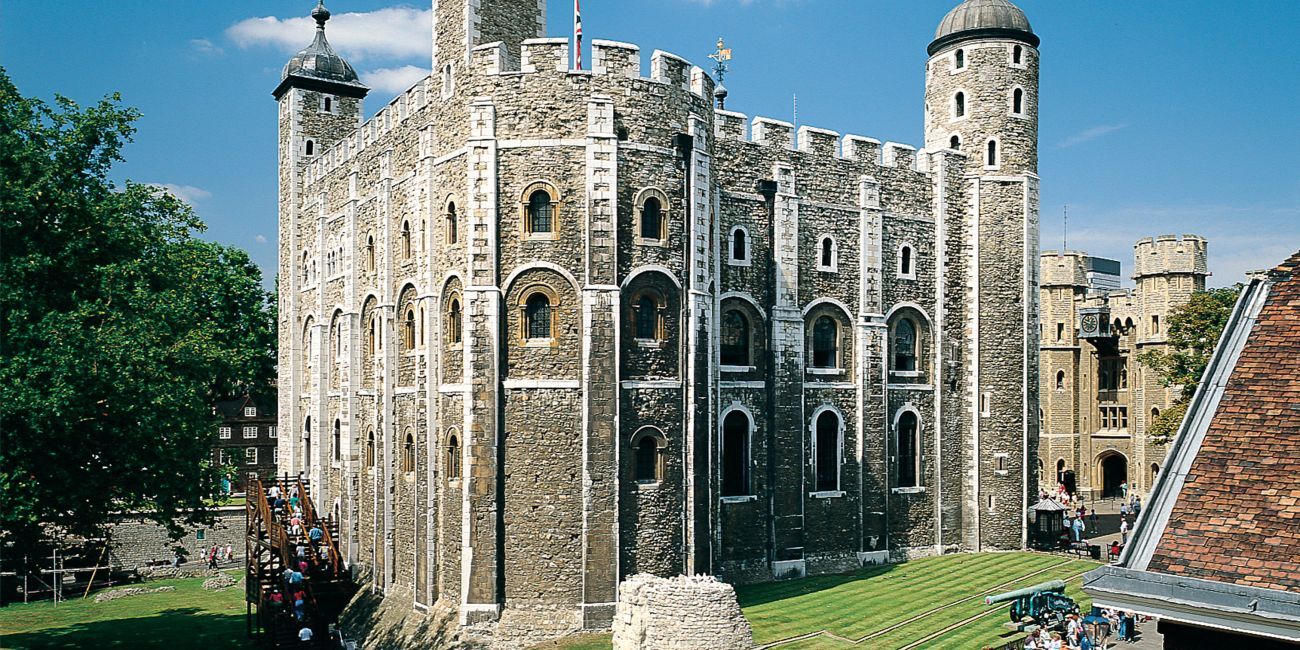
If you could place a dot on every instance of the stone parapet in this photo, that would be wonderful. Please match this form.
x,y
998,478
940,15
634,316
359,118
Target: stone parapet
x,y
686,612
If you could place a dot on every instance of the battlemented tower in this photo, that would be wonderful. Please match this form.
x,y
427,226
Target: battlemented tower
x,y
981,98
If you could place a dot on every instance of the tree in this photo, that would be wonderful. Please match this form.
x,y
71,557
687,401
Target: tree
x,y
1194,331
120,330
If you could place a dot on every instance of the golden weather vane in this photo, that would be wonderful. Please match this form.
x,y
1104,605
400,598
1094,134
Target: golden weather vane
x,y
720,58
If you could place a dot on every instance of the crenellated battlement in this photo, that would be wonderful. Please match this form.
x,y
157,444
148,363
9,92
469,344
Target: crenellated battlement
x,y
769,132
398,110
1170,254
609,58
1063,268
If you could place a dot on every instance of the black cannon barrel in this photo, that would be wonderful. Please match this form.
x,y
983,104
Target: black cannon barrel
x,y
1052,585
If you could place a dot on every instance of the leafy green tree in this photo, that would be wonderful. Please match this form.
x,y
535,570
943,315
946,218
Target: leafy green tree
x,y
1194,330
120,329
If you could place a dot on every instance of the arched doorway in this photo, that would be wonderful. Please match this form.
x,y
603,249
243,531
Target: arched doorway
x,y
1113,468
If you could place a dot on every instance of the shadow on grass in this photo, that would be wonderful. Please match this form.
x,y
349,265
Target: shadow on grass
x,y
172,628
758,594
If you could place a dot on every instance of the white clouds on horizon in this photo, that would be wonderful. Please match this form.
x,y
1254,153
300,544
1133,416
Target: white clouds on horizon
x,y
186,193
391,32
393,80
1088,135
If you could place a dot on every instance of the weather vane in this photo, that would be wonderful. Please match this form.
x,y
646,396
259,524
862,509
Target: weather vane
x,y
720,59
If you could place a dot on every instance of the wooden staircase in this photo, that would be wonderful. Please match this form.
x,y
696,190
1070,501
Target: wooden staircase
x,y
270,546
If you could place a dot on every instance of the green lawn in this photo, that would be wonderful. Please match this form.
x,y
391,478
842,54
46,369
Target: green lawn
x,y
189,617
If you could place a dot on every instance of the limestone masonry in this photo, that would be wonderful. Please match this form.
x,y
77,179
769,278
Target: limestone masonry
x,y
682,613
544,329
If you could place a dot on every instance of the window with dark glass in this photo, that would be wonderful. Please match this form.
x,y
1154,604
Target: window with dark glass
x,y
408,454
652,219
735,339
954,143
828,252
960,104
735,455
537,317
453,458
370,449
905,260
1017,101
828,452
451,223
1016,54
408,330
961,59
993,153
540,212
453,321
907,450
647,319
338,441
905,346
406,240
738,245
826,334
647,460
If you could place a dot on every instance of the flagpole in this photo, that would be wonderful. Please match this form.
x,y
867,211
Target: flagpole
x,y
577,34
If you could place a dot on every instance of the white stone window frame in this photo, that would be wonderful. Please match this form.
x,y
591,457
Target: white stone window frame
x,y
275,455
448,81
453,432
1001,458
997,154
966,105
749,450
638,207
309,148
660,460
761,319
556,211
250,433
451,220
920,464
250,411
731,247
453,296
1060,381
833,267
839,452
910,274
986,404
1024,56
328,104
250,455
270,432
1024,103
553,297
963,65
225,432
845,339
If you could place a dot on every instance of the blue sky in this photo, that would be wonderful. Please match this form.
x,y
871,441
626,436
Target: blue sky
x,y
1156,117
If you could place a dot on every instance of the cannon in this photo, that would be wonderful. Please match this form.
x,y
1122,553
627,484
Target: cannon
x,y
1046,603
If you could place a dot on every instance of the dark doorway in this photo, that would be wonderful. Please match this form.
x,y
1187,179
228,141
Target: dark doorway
x,y
1114,471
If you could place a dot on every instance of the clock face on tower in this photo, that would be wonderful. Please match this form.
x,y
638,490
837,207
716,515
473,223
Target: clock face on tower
x,y
1090,323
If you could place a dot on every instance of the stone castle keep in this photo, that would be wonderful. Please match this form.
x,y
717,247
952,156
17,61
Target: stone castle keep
x,y
543,329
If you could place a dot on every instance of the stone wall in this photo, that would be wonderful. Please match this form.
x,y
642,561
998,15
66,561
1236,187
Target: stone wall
x,y
137,543
679,614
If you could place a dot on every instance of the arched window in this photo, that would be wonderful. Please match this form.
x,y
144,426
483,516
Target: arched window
x,y
954,143
446,80
826,335
960,57
406,240
453,457
652,219
1017,54
311,148
735,454
1155,472
959,105
827,258
408,330
408,453
1060,380
826,442
992,158
1060,470
306,443
370,448
735,339
648,456
451,223
739,246
907,465
1155,413
537,317
370,253
453,321
904,345
327,104
338,440
905,262
540,213
1018,101
647,319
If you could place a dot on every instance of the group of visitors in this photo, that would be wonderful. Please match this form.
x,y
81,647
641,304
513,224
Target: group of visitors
x,y
310,556
1086,633
218,555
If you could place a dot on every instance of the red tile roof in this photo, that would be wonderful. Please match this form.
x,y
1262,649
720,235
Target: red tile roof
x,y
1237,519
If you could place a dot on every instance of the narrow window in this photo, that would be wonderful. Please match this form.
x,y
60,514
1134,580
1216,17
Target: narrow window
x,y
735,339
451,223
652,219
540,212
306,442
1060,331
1018,101
338,441
954,143
446,79
1155,413
906,465
406,240
408,453
420,326
986,402
1155,472
537,317
408,330
960,104
825,343
1155,324
1016,53
647,460
827,459
992,158
370,448
1060,380
647,317
905,346
370,252
329,105
961,59
735,454
453,458
828,253
905,261
311,148
453,321
738,252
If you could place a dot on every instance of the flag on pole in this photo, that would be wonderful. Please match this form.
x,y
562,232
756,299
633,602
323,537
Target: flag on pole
x,y
577,34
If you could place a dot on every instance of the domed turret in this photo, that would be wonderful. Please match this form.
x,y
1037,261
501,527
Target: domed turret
x,y
319,63
983,19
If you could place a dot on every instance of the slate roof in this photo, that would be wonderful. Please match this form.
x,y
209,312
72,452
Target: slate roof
x,y
1237,518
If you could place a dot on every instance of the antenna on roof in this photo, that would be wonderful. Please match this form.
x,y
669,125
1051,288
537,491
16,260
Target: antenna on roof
x,y
1065,226
796,110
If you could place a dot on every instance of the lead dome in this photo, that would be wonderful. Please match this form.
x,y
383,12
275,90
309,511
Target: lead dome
x,y
318,61
983,19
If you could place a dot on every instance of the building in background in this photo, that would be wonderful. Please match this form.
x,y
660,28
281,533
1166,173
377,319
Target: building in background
x,y
1097,401
246,439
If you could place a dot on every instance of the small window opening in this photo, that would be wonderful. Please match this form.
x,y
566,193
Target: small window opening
x,y
735,339
408,454
905,260
961,59
907,446
961,104
451,223
453,458
738,245
453,321
735,454
537,317
651,219
828,454
338,441
370,449
993,153
1018,101
905,346
648,460
825,343
1016,53
540,212
647,319
311,148
954,143
329,105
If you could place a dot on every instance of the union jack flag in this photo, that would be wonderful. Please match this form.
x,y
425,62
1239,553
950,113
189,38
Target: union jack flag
x,y
577,34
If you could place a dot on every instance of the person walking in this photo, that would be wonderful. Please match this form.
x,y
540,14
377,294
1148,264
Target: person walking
x,y
1137,506
230,552
1123,490
1078,529
1123,531
1093,518
1123,510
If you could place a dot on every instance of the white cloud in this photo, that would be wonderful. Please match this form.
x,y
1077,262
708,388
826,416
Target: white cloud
x,y
392,32
393,80
186,193
206,47
1090,134
261,239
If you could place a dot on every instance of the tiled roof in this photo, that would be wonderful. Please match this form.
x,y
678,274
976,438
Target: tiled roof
x,y
1237,518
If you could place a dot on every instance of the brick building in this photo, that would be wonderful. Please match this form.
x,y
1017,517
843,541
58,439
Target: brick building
x,y
1216,552
1097,401
542,329
246,439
